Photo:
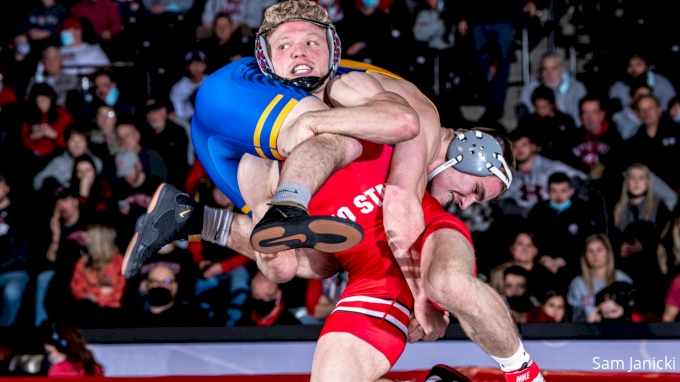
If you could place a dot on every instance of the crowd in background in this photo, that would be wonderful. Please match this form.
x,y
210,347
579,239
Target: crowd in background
x,y
96,100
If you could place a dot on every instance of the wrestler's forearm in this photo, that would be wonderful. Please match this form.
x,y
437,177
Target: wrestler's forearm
x,y
386,119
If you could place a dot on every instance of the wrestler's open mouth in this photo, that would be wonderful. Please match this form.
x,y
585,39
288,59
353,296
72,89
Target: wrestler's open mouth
x,y
302,69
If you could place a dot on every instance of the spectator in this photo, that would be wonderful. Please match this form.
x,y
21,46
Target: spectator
x,y
44,125
561,224
266,305
103,138
97,281
13,257
60,168
594,149
627,120
133,193
552,127
94,192
224,271
516,293
67,352
50,72
597,273
640,219
245,15
669,250
223,46
489,21
369,38
41,22
180,94
107,92
129,139
331,290
674,109
530,185
159,7
614,304
80,58
165,310
670,313
639,70
18,62
568,90
553,308
334,9
102,14
523,253
7,94
169,139
68,228
656,143
434,24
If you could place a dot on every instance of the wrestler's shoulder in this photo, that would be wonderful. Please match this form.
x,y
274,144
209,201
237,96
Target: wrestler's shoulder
x,y
245,74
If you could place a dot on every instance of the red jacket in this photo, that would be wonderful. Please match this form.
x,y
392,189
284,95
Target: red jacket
x,y
67,369
102,14
45,146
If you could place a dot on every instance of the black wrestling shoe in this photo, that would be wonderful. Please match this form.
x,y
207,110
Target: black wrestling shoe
x,y
166,220
288,225
443,373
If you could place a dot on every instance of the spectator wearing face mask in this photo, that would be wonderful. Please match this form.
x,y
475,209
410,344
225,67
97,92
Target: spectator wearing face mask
x,y
80,58
516,293
561,224
165,310
19,61
108,93
266,305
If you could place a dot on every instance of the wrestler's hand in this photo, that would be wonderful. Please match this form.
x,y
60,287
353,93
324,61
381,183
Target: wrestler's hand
x,y
415,331
432,320
301,130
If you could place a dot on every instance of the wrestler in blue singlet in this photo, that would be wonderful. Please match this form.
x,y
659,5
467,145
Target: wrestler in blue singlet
x,y
240,110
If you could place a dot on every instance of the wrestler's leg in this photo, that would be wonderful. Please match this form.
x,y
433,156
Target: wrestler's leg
x,y
447,270
312,162
343,357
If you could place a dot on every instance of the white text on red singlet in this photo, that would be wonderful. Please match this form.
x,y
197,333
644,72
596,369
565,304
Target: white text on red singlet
x,y
363,203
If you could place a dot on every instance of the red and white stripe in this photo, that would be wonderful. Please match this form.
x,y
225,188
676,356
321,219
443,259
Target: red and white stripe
x,y
390,310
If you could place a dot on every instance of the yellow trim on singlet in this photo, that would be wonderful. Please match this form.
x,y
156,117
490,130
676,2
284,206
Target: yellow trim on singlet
x,y
368,68
245,209
260,124
277,126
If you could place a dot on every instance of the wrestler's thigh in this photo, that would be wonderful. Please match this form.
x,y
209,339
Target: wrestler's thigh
x,y
341,357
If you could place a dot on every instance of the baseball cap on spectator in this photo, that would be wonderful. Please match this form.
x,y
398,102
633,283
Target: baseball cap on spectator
x,y
194,55
71,23
125,163
66,192
153,104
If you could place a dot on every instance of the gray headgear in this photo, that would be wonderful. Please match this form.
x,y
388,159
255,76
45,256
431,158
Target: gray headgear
x,y
475,153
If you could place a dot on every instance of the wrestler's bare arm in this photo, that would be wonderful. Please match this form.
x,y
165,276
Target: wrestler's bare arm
x,y
370,114
257,180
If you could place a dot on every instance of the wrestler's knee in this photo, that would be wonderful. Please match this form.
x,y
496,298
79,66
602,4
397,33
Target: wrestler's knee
x,y
448,277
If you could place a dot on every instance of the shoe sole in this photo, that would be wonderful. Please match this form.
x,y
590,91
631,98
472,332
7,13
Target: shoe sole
x,y
135,238
307,229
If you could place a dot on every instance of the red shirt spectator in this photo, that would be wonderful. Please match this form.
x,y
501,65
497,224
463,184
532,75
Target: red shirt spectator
x,y
67,369
43,128
105,287
102,14
196,173
7,96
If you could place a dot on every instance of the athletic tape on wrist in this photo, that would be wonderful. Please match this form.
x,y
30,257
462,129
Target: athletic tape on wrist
x,y
216,225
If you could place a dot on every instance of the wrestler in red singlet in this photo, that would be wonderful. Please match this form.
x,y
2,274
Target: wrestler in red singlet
x,y
376,304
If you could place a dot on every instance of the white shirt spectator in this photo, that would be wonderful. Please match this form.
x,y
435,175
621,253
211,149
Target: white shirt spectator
x,y
83,59
180,96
